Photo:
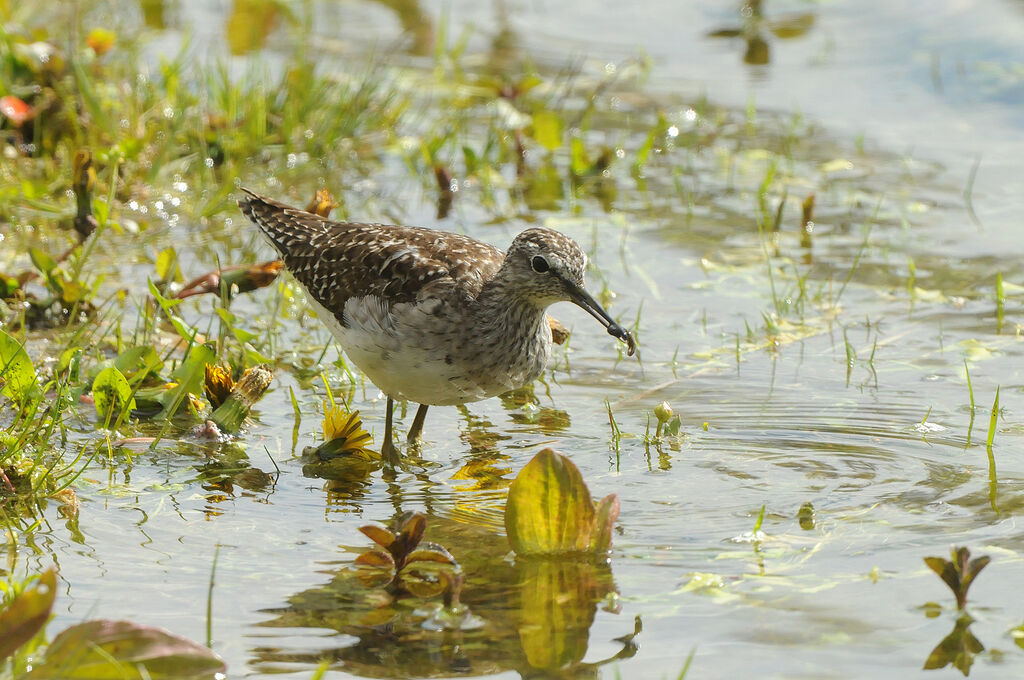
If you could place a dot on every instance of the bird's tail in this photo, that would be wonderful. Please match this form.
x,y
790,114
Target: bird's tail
x,y
283,224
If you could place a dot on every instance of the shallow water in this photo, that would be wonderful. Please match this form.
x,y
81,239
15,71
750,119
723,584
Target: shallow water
x,y
853,400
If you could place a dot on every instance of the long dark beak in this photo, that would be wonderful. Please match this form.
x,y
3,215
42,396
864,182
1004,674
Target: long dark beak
x,y
581,298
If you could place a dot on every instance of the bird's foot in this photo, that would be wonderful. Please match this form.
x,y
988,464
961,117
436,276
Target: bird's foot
x,y
390,454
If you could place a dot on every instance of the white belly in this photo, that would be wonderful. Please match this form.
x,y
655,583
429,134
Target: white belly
x,y
410,353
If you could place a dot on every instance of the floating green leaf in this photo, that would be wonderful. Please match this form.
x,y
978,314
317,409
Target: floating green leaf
x,y
110,391
27,613
550,511
102,650
17,376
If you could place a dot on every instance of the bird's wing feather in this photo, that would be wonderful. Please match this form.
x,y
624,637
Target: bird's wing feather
x,y
336,261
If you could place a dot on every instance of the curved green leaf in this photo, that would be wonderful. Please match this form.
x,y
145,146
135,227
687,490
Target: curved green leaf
x,y
17,376
42,261
186,332
117,650
190,375
111,390
139,359
27,613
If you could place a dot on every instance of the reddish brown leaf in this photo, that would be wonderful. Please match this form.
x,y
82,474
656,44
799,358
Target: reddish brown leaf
x,y
117,649
411,526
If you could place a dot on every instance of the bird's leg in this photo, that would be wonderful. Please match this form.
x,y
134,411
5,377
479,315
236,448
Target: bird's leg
x,y
417,423
387,450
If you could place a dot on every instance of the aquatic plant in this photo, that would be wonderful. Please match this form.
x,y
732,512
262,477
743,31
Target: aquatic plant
x,y
959,572
403,545
550,511
344,435
231,409
668,421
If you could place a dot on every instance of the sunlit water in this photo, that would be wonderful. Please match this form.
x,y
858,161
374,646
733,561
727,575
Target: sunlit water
x,y
857,405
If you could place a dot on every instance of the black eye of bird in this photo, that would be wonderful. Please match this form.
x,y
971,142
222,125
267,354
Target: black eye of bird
x,y
539,264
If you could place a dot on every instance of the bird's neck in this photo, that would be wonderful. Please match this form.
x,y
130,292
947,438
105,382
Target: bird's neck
x,y
513,329
502,342
507,314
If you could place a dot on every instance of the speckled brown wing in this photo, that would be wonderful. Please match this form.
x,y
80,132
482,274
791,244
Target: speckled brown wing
x,y
336,261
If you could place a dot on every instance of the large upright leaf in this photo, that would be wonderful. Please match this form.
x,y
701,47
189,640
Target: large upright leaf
x,y
121,650
549,509
26,614
17,376
110,390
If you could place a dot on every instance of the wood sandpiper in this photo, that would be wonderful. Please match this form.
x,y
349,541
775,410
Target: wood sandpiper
x,y
430,316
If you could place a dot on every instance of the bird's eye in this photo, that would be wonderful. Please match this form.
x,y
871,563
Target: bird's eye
x,y
539,264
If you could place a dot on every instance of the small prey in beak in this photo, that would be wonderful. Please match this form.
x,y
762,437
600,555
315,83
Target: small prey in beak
x,y
582,298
